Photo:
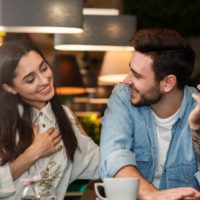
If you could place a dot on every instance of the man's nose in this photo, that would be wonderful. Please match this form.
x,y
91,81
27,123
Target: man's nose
x,y
128,79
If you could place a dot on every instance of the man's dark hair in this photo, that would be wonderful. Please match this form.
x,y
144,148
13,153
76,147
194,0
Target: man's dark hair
x,y
170,53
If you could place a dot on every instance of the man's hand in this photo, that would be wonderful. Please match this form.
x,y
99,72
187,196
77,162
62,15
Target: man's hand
x,y
183,193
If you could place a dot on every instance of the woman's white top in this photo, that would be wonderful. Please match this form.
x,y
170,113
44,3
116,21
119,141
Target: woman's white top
x,y
84,166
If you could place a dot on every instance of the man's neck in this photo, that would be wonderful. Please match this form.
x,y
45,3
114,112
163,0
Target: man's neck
x,y
169,104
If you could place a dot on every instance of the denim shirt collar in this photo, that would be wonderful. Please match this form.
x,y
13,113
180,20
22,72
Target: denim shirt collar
x,y
186,100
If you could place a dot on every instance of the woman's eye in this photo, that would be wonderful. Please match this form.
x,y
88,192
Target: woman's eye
x,y
44,67
30,80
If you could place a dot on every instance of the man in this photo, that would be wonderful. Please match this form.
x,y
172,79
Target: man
x,y
145,132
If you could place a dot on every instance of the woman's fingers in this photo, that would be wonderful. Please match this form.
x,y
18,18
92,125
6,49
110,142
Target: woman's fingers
x,y
57,148
50,131
56,139
35,128
47,142
55,136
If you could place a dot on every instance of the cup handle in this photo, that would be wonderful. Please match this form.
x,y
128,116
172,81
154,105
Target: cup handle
x,y
96,186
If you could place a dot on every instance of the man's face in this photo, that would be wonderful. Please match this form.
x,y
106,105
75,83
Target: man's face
x,y
145,90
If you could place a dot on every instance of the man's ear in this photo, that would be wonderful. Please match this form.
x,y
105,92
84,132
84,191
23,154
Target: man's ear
x,y
169,82
8,89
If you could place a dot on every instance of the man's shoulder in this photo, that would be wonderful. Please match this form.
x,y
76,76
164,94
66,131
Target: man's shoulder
x,y
121,92
188,101
191,90
188,91
121,88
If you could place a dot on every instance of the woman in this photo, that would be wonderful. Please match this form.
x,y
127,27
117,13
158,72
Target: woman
x,y
38,136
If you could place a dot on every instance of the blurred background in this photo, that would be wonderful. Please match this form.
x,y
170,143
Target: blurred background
x,y
88,64
85,75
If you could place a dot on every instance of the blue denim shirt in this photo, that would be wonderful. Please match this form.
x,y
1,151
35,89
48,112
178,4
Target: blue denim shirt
x,y
128,137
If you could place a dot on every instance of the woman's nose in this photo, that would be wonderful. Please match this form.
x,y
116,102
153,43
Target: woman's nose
x,y
128,79
43,79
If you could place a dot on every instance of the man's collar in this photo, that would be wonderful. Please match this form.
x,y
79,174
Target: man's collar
x,y
187,99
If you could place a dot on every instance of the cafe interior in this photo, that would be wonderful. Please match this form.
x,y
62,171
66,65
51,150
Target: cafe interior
x,y
87,43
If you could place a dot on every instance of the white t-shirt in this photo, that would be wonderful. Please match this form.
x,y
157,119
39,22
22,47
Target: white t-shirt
x,y
84,166
163,129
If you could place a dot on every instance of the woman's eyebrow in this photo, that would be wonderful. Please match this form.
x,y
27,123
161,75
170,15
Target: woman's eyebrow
x,y
42,62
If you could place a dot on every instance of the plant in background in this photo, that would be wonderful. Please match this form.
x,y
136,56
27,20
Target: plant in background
x,y
92,125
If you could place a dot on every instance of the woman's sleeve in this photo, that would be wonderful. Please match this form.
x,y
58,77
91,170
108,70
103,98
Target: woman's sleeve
x,y
6,182
86,157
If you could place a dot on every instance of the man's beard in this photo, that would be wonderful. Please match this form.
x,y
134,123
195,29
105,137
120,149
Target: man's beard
x,y
148,101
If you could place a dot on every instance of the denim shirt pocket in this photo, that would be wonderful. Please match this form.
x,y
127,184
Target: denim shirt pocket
x,y
143,160
181,176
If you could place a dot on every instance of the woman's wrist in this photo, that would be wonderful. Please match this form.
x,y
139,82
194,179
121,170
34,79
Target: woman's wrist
x,y
33,153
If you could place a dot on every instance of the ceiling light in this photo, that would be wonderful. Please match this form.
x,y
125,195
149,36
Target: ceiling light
x,y
41,16
100,11
115,67
67,77
101,33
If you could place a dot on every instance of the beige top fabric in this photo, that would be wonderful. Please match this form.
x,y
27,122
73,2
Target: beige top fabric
x,y
84,166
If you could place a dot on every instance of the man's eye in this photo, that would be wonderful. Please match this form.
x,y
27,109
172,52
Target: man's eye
x,y
136,76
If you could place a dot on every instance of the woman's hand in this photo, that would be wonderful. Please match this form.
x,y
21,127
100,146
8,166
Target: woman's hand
x,y
46,143
194,117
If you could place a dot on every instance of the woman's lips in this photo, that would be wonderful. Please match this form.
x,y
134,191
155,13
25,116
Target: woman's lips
x,y
45,90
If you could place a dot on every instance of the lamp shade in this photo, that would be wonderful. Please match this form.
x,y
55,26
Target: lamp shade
x,y
67,77
41,16
115,67
101,33
100,11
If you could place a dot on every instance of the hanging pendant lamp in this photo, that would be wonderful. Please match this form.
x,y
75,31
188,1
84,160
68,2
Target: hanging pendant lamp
x,y
67,77
101,33
41,16
115,67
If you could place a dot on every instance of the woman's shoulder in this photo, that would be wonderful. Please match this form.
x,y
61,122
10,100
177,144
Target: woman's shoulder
x,y
68,112
79,131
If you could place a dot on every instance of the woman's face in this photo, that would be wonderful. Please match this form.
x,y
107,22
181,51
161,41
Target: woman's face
x,y
33,80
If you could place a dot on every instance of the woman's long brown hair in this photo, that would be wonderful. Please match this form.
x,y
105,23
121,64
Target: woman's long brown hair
x,y
16,132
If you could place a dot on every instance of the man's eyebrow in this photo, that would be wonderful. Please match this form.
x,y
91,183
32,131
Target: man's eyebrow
x,y
27,75
133,71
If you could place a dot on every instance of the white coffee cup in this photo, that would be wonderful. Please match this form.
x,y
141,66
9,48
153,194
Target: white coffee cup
x,y
118,188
